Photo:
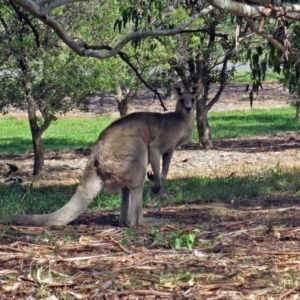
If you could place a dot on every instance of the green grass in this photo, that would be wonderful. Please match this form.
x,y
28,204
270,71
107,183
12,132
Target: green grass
x,y
243,123
245,77
82,133
65,133
18,199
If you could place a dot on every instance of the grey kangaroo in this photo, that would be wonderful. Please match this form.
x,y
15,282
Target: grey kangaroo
x,y
119,161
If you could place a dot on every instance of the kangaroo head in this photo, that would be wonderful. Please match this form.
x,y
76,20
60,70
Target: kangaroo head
x,y
186,100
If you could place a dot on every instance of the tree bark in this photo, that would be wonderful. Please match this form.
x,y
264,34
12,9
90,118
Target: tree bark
x,y
38,148
36,135
203,124
36,131
203,76
298,111
121,99
123,107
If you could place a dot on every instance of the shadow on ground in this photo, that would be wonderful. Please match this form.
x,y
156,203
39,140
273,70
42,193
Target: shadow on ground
x,y
263,143
267,211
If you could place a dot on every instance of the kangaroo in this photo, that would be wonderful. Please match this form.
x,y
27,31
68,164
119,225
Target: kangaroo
x,y
119,161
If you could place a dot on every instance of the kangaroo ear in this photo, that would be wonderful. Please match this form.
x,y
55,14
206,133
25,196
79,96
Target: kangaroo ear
x,y
195,89
178,89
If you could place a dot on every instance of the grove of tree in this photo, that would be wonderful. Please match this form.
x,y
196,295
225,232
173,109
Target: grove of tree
x,y
157,41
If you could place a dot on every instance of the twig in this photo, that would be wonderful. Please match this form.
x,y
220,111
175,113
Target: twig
x,y
120,246
234,233
143,293
221,285
286,294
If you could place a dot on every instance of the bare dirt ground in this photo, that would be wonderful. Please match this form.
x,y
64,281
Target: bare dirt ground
x,y
247,249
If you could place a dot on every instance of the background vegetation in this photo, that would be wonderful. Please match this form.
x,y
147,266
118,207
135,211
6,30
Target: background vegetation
x,y
68,133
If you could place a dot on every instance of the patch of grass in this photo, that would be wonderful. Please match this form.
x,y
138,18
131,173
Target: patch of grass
x,y
243,123
82,133
245,77
65,133
17,199
225,189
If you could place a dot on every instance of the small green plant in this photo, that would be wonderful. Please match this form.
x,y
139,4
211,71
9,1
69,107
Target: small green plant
x,y
158,237
179,239
175,239
46,236
69,237
128,233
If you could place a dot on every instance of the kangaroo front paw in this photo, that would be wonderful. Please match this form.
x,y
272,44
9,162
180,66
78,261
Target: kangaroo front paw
x,y
150,176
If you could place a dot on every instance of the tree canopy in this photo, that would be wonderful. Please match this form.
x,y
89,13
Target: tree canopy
x,y
247,13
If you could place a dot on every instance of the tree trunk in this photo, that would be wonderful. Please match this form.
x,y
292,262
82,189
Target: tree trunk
x,y
203,125
298,111
121,99
38,155
36,138
36,131
123,107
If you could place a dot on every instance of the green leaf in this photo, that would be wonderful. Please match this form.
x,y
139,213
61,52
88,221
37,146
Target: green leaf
x,y
255,59
125,19
173,234
178,242
120,26
249,52
259,50
124,242
116,24
128,232
190,239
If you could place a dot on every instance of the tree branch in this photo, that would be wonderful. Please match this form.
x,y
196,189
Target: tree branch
x,y
247,10
27,21
126,59
265,35
48,118
239,9
5,26
42,14
223,79
58,4
222,35
42,2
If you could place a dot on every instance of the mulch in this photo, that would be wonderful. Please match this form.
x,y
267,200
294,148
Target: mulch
x,y
240,252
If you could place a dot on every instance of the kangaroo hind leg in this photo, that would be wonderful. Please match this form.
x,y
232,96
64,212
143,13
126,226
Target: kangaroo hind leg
x,y
131,207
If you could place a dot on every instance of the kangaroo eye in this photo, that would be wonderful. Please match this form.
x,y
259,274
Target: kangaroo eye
x,y
193,100
181,101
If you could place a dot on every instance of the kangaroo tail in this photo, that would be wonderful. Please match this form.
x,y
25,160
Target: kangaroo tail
x,y
89,187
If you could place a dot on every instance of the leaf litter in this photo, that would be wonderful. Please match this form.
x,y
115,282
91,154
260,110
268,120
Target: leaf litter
x,y
233,257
